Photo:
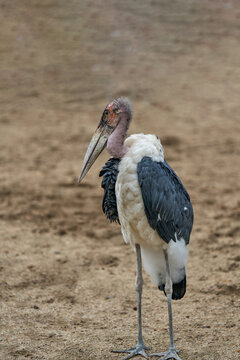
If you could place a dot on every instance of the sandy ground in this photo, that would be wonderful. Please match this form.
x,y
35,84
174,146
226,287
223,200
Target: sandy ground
x,y
66,277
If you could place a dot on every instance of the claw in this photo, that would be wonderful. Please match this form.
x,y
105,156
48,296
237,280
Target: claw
x,y
139,349
170,354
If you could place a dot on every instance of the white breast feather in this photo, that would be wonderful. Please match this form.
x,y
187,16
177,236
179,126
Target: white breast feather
x,y
134,224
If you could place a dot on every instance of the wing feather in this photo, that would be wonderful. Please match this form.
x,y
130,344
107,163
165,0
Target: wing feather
x,y
166,202
109,174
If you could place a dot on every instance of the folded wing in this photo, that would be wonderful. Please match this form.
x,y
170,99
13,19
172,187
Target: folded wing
x,y
166,202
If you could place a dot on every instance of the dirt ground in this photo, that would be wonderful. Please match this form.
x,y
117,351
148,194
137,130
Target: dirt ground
x,y
66,276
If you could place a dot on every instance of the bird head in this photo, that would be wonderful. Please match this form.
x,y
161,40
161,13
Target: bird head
x,y
112,115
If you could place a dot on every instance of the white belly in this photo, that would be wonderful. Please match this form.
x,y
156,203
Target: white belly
x,y
134,224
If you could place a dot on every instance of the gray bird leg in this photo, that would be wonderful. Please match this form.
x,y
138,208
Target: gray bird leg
x,y
140,348
139,286
171,353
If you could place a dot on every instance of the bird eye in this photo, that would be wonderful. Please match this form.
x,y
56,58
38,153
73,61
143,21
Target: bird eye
x,y
106,112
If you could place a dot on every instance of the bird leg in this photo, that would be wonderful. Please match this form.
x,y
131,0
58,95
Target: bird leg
x,y
139,286
172,352
140,348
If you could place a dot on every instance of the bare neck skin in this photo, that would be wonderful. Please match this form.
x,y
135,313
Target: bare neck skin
x,y
115,142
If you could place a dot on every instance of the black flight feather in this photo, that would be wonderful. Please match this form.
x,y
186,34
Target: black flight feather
x,y
178,290
109,173
167,204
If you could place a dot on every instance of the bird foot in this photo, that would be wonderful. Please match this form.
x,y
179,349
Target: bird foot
x,y
139,349
169,354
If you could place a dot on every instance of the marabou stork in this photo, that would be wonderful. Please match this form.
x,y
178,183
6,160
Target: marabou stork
x,y
143,193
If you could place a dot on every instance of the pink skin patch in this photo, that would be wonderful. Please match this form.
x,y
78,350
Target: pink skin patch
x,y
115,142
113,116
118,118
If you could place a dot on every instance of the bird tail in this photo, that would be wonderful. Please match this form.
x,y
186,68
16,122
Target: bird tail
x,y
155,265
178,290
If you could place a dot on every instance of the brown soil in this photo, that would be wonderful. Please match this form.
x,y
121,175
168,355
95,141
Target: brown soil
x,y
66,277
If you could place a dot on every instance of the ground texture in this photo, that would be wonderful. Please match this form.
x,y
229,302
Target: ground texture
x,y
66,277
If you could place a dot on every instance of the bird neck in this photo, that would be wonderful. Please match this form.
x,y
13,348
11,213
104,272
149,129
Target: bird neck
x,y
115,144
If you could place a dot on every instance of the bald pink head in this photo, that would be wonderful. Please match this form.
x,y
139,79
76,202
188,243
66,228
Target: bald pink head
x,y
122,109
111,131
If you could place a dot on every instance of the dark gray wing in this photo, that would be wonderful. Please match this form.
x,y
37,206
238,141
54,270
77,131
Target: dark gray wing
x,y
109,173
166,202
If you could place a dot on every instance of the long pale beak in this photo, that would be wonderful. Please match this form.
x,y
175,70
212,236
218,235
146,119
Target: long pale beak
x,y
95,147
